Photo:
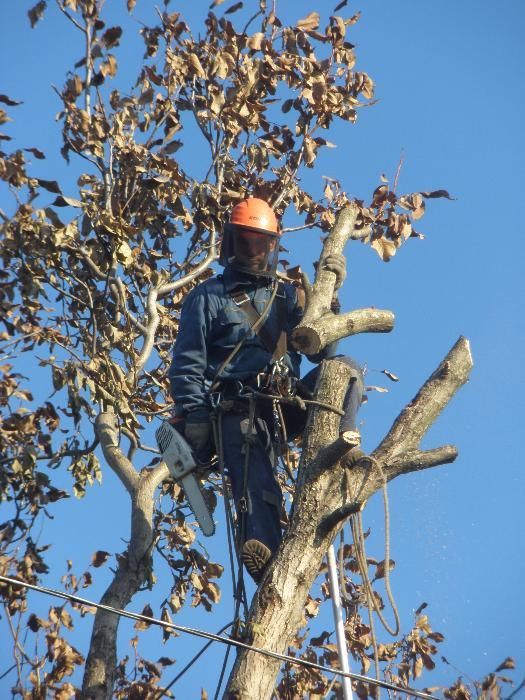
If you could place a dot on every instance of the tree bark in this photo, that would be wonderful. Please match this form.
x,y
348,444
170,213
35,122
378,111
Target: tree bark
x,y
134,566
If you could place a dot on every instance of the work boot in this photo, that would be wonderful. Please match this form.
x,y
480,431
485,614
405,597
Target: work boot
x,y
355,453
255,556
352,457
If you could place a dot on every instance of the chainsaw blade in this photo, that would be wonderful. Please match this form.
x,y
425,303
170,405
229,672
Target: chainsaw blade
x,y
196,501
181,464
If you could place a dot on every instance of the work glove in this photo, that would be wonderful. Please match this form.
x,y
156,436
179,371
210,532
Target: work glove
x,y
198,436
336,263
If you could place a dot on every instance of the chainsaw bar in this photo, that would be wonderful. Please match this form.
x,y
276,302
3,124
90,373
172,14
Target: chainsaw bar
x,y
196,501
180,462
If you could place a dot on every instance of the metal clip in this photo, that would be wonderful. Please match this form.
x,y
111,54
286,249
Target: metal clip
x,y
215,399
239,300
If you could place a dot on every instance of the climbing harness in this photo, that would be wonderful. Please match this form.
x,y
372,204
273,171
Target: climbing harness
x,y
246,400
256,321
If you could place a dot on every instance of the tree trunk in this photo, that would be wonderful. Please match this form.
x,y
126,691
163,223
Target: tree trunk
x,y
133,569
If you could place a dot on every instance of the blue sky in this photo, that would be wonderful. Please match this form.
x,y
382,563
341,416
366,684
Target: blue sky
x,y
449,79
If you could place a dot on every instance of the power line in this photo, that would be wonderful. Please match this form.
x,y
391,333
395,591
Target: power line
x,y
216,638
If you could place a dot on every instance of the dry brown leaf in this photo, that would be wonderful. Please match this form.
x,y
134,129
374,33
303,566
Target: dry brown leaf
x,y
380,389
196,65
255,40
10,103
310,22
99,557
36,13
111,37
508,663
233,8
144,624
384,248
437,193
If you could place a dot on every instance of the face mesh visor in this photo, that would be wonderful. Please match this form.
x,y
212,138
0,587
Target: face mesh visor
x,y
253,252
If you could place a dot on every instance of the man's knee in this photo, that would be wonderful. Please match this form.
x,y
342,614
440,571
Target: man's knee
x,y
356,374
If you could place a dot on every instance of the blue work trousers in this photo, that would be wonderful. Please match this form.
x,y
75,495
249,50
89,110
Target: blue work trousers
x,y
259,505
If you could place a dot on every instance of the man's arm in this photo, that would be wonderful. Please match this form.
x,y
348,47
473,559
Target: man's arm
x,y
190,359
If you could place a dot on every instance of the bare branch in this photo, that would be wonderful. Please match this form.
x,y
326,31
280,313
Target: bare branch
x,y
89,67
106,431
77,24
417,417
291,229
420,459
151,329
325,497
191,276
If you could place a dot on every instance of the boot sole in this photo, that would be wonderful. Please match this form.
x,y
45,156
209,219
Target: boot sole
x,y
255,556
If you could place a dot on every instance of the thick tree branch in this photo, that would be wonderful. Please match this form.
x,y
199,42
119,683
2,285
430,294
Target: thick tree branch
x,y
196,271
157,476
319,326
417,417
312,337
326,494
133,571
134,568
151,329
277,608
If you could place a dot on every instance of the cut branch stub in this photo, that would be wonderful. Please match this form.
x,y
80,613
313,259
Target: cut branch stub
x,y
314,336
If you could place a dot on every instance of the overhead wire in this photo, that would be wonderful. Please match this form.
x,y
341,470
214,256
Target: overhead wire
x,y
215,637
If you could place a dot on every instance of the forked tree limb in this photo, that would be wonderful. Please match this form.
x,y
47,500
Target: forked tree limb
x,y
326,494
319,326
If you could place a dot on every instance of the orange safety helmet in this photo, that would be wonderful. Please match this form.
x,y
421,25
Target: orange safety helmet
x,y
255,214
250,241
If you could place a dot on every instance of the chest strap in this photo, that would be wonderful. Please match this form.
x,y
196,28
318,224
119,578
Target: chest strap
x,y
272,333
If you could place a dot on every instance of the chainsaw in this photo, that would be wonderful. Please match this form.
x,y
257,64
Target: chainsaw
x,y
181,465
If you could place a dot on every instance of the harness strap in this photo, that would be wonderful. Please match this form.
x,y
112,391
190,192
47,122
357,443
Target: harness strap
x,y
266,332
255,327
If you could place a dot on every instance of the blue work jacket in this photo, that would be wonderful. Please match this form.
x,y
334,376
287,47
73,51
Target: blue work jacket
x,y
211,324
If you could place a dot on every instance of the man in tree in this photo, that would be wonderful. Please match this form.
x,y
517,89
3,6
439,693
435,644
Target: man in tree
x,y
231,353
